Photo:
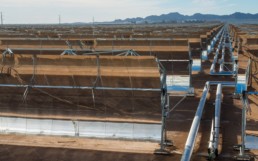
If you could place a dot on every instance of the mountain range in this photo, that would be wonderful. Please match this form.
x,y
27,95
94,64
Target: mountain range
x,y
175,16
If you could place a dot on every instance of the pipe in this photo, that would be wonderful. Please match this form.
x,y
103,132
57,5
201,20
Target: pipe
x,y
190,72
195,125
253,93
223,83
80,87
213,146
217,115
223,73
165,60
242,147
196,121
211,141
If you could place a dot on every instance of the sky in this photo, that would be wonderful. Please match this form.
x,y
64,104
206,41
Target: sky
x,y
48,11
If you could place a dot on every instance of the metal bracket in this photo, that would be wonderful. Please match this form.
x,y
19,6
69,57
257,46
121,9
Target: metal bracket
x,y
129,53
68,52
25,94
9,52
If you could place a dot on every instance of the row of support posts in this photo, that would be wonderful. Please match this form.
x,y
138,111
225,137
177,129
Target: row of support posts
x,y
215,126
222,46
212,149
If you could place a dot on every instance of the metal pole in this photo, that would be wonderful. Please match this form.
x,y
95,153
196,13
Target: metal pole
x,y
235,67
165,108
236,76
253,93
242,148
195,126
242,155
80,87
190,72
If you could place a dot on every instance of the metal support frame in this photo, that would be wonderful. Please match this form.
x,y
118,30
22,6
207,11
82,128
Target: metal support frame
x,y
247,75
73,51
32,79
247,72
165,110
242,155
9,52
129,53
25,94
68,52
191,89
120,52
180,101
164,99
34,60
245,108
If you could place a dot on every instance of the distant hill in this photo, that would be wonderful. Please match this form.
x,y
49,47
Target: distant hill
x,y
175,16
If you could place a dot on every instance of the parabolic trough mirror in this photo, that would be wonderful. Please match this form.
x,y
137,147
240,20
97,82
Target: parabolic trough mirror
x,y
196,65
251,142
87,96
